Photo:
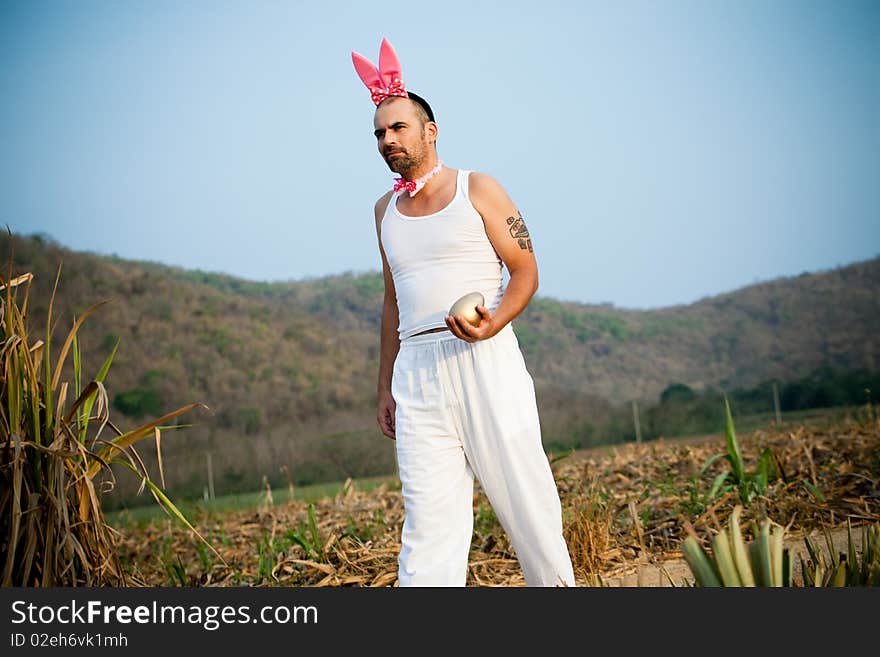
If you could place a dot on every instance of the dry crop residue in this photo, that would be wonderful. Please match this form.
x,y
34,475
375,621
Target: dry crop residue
x,y
624,512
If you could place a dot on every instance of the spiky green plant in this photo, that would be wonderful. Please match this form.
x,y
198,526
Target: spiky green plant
x,y
852,568
52,526
733,562
766,562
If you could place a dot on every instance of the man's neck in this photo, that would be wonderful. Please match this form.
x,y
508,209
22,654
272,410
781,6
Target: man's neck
x,y
423,170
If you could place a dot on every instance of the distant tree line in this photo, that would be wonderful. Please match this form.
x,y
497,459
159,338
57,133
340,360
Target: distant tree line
x,y
683,411
567,423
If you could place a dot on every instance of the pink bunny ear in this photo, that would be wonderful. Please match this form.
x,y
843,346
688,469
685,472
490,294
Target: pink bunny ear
x,y
389,64
368,73
385,81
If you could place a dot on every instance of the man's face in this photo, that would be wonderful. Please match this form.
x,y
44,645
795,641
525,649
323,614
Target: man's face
x,y
400,136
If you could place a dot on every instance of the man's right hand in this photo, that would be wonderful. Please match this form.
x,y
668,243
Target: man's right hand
x,y
385,414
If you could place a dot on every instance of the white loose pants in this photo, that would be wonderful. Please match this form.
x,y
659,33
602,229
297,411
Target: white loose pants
x,y
464,410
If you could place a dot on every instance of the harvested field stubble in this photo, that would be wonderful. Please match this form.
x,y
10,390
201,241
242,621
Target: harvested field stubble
x,y
624,507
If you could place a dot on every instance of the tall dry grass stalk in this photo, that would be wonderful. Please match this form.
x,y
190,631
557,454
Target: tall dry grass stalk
x,y
587,532
53,446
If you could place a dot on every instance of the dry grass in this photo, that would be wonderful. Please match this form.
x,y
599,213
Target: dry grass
x,y
54,455
622,507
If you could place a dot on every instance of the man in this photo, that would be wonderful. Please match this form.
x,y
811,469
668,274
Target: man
x,y
456,397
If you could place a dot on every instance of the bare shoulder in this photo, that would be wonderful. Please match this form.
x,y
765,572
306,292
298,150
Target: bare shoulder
x,y
483,184
382,204
486,193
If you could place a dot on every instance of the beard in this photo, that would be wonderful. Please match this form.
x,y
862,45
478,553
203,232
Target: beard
x,y
406,162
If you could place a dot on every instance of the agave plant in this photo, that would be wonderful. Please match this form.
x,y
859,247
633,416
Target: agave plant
x,y
844,569
766,562
52,450
733,562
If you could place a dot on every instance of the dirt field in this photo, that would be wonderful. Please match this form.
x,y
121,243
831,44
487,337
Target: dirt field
x,y
625,509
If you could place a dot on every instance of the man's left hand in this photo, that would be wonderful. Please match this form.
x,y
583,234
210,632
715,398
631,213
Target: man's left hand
x,y
466,331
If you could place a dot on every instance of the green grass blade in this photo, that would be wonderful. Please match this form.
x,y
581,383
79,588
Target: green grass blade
x,y
870,553
815,492
313,530
300,538
724,559
716,485
100,377
733,451
762,476
777,556
759,552
701,565
812,549
102,373
852,565
168,505
806,572
709,462
838,576
739,549
13,392
109,452
48,432
62,355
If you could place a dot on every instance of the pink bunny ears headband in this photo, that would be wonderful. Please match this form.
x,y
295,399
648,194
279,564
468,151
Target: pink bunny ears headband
x,y
385,81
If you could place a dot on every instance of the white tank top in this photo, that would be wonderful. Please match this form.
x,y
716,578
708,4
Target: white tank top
x,y
437,258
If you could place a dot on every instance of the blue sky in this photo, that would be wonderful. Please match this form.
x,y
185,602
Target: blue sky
x,y
660,152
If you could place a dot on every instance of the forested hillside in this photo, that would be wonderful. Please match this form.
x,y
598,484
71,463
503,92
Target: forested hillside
x,y
288,369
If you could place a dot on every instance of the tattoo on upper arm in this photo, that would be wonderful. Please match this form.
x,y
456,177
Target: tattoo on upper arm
x,y
519,232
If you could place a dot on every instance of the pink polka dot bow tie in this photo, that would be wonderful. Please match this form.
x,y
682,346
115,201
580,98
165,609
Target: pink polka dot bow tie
x,y
413,186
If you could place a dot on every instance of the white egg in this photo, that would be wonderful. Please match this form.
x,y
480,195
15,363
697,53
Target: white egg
x,y
467,306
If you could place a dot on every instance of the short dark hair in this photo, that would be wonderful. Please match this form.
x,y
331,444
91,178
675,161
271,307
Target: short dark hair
x,y
422,104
